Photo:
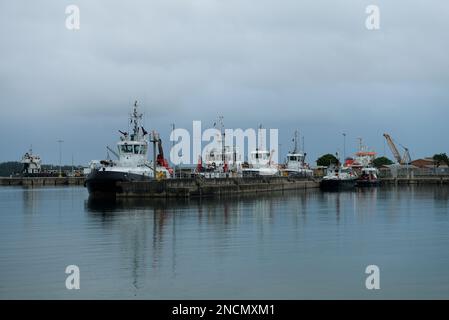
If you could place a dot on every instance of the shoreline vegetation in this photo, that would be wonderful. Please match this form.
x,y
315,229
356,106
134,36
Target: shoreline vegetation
x,y
14,168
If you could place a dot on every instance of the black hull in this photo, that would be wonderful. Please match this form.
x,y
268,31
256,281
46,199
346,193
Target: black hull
x,y
337,185
104,183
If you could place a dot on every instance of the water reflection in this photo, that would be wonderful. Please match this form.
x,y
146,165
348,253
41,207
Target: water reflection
x,y
156,234
30,200
223,248
441,194
149,228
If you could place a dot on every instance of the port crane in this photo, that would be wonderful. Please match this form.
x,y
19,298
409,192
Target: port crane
x,y
405,158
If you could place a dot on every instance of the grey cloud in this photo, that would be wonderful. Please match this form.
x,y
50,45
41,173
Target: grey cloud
x,y
307,64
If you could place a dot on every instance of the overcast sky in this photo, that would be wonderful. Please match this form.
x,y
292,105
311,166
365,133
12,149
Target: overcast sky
x,y
287,64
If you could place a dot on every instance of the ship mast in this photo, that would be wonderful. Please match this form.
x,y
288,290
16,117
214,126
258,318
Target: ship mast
x,y
260,138
135,117
361,148
296,142
223,149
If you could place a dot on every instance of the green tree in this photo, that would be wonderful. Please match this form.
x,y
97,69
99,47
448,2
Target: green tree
x,y
382,161
441,159
326,160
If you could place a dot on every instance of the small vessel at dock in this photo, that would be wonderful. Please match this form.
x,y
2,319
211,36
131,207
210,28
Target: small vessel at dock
x,y
339,178
132,163
32,167
31,164
363,165
220,160
260,164
296,165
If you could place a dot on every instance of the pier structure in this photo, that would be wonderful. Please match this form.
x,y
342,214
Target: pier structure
x,y
41,181
442,180
200,187
207,187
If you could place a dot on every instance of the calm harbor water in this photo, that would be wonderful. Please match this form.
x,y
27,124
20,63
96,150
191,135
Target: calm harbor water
x,y
295,245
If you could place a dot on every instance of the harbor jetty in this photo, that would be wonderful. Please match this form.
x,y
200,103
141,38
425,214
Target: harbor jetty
x,y
441,180
42,181
200,187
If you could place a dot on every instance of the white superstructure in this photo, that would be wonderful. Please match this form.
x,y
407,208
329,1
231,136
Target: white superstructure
x,y
132,163
296,165
217,157
31,163
132,152
260,164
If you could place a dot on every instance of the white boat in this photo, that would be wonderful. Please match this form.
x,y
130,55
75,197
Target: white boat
x,y
260,164
220,161
363,165
296,165
31,163
339,178
132,163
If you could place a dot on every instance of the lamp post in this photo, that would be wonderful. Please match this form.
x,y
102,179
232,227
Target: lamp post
x,y
280,152
60,157
155,139
344,146
172,148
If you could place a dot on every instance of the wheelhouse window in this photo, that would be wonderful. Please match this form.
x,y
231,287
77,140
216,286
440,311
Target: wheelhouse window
x,y
140,149
125,148
260,155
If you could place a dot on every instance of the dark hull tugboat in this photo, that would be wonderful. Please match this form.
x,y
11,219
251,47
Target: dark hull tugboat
x,y
132,164
338,179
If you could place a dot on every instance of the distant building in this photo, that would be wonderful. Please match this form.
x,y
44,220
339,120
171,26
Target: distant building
x,y
424,163
429,166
